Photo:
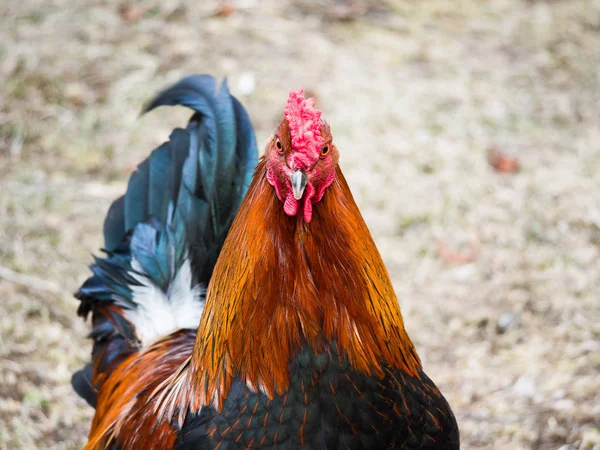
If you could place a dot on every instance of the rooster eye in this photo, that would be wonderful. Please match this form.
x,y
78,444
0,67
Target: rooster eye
x,y
279,146
325,150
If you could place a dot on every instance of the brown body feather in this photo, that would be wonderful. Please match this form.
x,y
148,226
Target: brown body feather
x,y
126,401
280,282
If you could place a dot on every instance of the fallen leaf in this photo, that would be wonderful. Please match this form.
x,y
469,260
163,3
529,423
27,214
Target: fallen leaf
x,y
132,12
501,161
225,10
459,257
346,13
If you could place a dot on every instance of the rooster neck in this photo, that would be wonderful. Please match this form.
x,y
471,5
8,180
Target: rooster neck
x,y
280,283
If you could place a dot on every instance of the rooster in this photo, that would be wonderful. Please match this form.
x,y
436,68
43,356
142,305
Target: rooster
x,y
245,305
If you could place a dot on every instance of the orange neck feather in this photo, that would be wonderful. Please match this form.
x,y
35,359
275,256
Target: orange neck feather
x,y
280,282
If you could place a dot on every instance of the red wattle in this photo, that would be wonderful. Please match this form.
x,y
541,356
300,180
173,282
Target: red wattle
x,y
290,206
309,195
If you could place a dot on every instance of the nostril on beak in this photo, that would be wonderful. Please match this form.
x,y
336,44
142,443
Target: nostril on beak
x,y
298,180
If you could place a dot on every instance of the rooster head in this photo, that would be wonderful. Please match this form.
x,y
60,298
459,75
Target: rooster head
x,y
301,156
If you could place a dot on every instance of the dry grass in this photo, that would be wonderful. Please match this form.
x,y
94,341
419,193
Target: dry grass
x,y
415,93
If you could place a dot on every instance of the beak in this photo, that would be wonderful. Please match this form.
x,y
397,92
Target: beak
x,y
298,180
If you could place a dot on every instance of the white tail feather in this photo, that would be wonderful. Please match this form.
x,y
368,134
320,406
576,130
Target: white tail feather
x,y
159,314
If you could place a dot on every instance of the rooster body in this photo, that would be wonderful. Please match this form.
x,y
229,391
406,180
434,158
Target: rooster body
x,y
301,343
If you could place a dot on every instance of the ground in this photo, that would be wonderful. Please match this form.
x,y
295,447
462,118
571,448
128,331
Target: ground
x,y
497,274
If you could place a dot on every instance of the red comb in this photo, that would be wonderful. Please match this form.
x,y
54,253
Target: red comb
x,y
304,122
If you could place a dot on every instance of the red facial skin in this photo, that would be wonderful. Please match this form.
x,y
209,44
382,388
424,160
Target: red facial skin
x,y
319,168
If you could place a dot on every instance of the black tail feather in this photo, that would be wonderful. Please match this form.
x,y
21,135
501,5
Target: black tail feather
x,y
179,205
82,384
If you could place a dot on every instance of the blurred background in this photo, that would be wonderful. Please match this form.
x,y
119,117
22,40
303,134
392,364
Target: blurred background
x,y
469,132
